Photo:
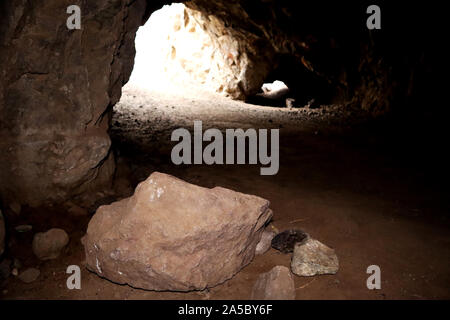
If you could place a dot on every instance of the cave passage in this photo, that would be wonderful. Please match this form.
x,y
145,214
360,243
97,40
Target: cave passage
x,y
173,52
189,66
185,52
361,168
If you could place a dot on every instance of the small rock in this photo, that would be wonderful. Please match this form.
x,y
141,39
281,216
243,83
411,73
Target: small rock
x,y
311,257
5,268
15,272
2,234
290,103
29,275
48,245
265,243
312,104
275,90
15,208
24,228
277,284
286,240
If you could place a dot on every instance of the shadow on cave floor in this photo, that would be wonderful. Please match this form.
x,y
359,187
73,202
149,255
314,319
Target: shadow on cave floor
x,y
369,189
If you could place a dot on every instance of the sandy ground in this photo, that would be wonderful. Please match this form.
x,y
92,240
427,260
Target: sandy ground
x,y
351,183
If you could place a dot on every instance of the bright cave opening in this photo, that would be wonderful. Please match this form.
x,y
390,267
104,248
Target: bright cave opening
x,y
180,49
192,65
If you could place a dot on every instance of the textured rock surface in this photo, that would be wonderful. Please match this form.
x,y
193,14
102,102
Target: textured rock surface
x,y
275,90
76,211
312,257
2,233
266,241
55,87
172,235
48,245
277,284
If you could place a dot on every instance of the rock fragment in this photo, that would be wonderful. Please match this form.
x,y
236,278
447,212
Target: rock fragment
x,y
286,240
275,90
29,275
311,257
290,103
277,284
48,245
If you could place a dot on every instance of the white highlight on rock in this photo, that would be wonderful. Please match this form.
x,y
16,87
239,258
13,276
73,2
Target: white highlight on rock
x,y
275,90
97,264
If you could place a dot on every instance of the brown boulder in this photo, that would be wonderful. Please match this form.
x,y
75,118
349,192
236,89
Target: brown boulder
x,y
172,235
311,257
30,275
266,242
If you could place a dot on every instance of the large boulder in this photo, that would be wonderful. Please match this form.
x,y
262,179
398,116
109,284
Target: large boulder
x,y
48,245
265,242
277,284
172,235
311,257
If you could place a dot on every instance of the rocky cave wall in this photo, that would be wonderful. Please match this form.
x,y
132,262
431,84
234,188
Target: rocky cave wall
x,y
323,48
58,86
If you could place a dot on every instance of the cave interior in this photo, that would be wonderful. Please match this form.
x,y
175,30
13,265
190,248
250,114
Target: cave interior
x,y
86,115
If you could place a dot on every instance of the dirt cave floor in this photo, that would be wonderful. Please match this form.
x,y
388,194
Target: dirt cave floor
x,y
358,185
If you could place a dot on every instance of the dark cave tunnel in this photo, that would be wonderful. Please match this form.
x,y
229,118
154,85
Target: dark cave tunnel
x,y
361,149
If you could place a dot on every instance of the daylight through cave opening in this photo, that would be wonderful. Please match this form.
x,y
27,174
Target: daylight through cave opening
x,y
180,48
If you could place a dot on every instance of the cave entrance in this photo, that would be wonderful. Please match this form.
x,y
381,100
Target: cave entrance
x,y
175,53
182,50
